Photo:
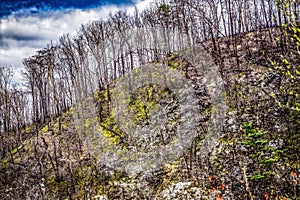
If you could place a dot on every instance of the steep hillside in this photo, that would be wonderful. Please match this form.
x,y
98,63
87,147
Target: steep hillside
x,y
255,157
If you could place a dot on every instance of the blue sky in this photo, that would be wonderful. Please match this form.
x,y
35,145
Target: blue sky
x,y
10,6
29,25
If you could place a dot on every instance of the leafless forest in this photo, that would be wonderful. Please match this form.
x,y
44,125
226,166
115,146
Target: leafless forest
x,y
60,75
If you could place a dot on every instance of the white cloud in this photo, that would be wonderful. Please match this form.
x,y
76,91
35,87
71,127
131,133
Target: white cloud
x,y
140,5
21,35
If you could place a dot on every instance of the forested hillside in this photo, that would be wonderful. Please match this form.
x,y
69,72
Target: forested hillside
x,y
241,60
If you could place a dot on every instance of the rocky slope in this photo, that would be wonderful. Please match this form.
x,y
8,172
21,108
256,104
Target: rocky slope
x,y
255,157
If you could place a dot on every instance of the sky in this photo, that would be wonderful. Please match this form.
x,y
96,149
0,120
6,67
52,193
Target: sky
x,y
29,25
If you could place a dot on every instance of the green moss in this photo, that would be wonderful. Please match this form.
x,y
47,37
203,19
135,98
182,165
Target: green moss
x,y
111,130
28,129
87,123
145,100
60,186
108,126
45,129
67,124
226,140
4,162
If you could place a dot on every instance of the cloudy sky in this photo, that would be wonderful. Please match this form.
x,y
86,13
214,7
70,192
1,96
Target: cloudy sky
x,y
29,25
